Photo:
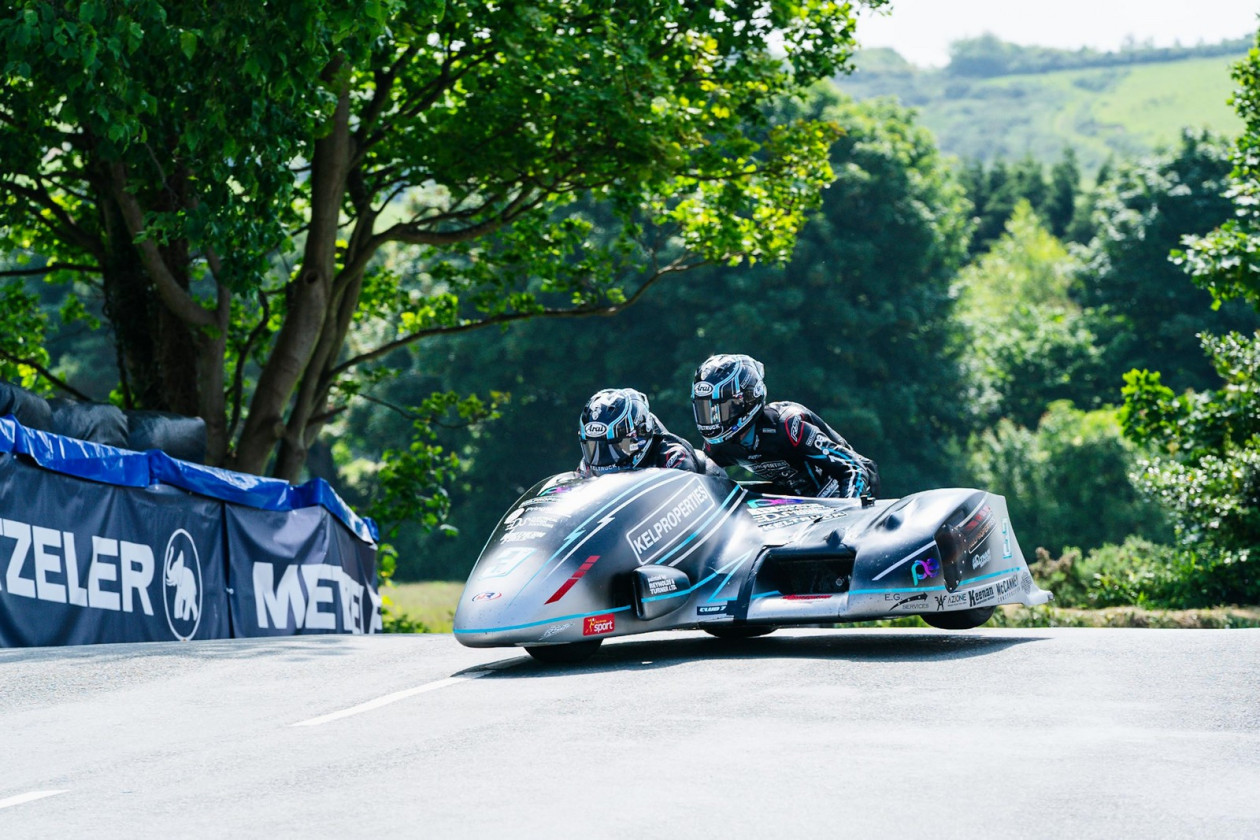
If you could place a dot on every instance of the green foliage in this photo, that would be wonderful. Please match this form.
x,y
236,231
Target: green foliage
x,y
857,326
1145,312
412,483
1067,482
273,200
1147,575
1207,473
1225,260
1029,342
21,335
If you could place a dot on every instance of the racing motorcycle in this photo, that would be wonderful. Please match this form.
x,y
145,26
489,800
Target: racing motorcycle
x,y
579,560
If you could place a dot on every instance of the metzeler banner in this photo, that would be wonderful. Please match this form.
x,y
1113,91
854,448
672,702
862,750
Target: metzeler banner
x,y
299,571
83,562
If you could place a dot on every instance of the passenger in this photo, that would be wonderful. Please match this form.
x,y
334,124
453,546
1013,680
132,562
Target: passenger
x,y
619,432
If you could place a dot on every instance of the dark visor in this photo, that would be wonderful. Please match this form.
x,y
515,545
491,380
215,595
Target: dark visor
x,y
600,452
711,412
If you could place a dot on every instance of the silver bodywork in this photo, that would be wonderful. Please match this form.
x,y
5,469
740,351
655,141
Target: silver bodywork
x,y
582,559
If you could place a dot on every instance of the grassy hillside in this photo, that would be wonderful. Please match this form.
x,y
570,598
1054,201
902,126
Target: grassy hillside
x,y
1123,111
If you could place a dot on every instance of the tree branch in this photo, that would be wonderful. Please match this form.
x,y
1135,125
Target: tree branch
x,y
47,374
49,269
510,317
175,296
69,229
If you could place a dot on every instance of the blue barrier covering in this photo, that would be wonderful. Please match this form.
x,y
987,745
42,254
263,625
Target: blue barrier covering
x,y
124,468
100,544
93,461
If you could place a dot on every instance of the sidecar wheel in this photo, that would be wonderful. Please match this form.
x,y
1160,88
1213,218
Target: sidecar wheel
x,y
740,632
959,619
565,654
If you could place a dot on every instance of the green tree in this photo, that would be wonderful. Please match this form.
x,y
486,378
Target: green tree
x,y
1147,313
1030,341
1065,185
1066,482
1223,261
246,183
858,326
1207,471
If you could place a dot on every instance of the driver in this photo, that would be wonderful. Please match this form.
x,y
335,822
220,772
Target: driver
x,y
619,432
784,442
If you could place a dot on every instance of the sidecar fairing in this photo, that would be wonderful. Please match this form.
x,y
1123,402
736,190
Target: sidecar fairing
x,y
578,560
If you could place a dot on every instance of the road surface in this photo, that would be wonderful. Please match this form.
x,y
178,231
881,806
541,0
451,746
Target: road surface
x,y
806,733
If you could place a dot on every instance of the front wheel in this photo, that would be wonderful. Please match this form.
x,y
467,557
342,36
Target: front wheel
x,y
959,619
565,654
743,631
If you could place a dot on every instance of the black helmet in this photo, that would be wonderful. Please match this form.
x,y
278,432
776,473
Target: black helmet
x,y
727,394
616,430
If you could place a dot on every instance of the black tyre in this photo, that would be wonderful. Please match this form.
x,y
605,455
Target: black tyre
x,y
744,631
959,619
565,654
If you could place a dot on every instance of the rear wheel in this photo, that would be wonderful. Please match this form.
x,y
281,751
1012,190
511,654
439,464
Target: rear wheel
x,y
565,654
959,619
744,631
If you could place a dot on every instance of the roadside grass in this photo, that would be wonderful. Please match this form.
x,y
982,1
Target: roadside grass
x,y
429,607
431,604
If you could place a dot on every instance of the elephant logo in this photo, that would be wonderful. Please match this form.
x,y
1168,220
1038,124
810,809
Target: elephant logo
x,y
182,589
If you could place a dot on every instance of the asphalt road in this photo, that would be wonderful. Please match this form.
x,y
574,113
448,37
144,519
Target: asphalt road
x,y
806,733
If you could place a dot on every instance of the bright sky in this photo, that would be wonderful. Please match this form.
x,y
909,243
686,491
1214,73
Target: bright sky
x,y
922,30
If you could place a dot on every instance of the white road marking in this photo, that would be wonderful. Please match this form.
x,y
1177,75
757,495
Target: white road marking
x,y
385,700
28,797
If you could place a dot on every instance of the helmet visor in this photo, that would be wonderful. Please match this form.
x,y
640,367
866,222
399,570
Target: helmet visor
x,y
601,452
716,414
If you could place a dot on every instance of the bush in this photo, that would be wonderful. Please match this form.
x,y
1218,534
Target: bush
x,y
1067,483
1143,574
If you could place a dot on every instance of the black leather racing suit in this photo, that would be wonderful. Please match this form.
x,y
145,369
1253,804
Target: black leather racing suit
x,y
666,450
794,449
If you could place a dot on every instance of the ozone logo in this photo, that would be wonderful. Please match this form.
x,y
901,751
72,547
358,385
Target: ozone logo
x,y
182,585
703,389
921,570
596,429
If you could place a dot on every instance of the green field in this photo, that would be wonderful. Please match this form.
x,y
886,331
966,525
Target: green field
x,y
431,603
1121,111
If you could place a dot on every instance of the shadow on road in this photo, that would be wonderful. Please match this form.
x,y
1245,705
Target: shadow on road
x,y
663,653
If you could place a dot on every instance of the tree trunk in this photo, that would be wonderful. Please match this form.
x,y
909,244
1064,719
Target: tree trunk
x,y
157,351
309,297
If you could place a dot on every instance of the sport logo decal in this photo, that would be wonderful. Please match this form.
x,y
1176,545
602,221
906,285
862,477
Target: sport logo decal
x,y
703,389
182,585
596,430
598,625
487,596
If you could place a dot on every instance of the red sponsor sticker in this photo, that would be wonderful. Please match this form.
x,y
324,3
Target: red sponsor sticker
x,y
598,625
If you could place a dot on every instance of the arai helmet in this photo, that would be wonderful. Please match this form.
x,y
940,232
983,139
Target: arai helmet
x,y
616,430
728,392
